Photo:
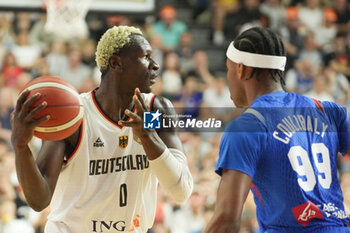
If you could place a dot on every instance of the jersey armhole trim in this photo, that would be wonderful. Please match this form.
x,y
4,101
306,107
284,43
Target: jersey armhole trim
x,y
257,193
319,105
70,157
257,115
151,102
260,118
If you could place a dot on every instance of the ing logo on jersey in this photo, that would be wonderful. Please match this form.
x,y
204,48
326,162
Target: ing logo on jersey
x,y
151,120
123,141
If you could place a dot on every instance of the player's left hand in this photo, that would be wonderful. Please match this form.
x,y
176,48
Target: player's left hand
x,y
136,119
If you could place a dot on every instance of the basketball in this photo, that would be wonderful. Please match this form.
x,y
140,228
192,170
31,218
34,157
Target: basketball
x,y
63,106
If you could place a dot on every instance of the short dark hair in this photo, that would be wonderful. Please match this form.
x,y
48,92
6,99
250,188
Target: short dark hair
x,y
262,41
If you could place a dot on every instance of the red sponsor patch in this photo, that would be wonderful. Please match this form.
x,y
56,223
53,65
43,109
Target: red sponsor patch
x,y
304,213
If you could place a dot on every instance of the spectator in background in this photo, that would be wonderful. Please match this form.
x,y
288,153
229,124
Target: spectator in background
x,y
171,76
4,148
10,71
201,10
197,149
9,222
217,95
168,28
38,35
22,22
342,10
7,97
190,98
248,12
310,51
325,34
292,39
25,52
346,101
262,22
221,9
190,218
77,74
275,12
300,78
22,80
117,20
311,15
57,58
201,68
97,24
7,33
185,51
41,68
320,89
337,82
340,59
7,192
88,52
3,49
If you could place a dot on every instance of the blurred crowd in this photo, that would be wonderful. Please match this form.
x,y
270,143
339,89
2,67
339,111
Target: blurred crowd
x,y
316,35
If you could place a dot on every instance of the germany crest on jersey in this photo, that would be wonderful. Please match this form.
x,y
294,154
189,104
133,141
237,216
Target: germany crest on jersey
x,y
123,141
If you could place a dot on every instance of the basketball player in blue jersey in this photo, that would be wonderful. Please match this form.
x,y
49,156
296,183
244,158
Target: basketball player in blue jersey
x,y
284,147
104,177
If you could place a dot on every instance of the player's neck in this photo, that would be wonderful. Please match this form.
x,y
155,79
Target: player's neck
x,y
261,89
113,102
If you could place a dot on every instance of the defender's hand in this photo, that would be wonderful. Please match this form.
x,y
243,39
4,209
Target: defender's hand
x,y
23,121
136,119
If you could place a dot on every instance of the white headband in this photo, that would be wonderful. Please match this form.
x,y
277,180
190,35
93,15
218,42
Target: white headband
x,y
256,60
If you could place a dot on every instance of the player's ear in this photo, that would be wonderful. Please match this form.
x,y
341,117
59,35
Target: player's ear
x,y
115,63
240,71
244,72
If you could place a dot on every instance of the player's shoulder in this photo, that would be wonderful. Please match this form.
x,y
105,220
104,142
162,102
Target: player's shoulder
x,y
245,130
330,104
85,96
157,102
335,111
249,121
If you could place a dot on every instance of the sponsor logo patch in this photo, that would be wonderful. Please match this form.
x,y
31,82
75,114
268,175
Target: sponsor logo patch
x,y
304,213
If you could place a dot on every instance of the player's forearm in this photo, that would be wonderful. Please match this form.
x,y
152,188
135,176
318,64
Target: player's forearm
x,y
35,187
153,145
223,228
170,167
221,223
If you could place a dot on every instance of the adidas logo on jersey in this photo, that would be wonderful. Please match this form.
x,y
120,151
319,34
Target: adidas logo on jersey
x,y
99,143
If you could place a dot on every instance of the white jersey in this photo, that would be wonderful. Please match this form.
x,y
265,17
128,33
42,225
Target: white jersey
x,y
106,185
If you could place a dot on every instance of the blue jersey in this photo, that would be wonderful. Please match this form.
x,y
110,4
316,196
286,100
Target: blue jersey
x,y
288,144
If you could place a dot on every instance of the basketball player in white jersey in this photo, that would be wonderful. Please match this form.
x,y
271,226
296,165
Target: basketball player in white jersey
x,y
104,177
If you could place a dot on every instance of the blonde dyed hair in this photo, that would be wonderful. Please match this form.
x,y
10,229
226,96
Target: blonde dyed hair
x,y
111,42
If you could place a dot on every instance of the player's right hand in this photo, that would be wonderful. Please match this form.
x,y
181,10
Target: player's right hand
x,y
23,120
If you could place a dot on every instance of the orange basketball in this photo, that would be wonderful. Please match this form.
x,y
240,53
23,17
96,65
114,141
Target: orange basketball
x,y
63,106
